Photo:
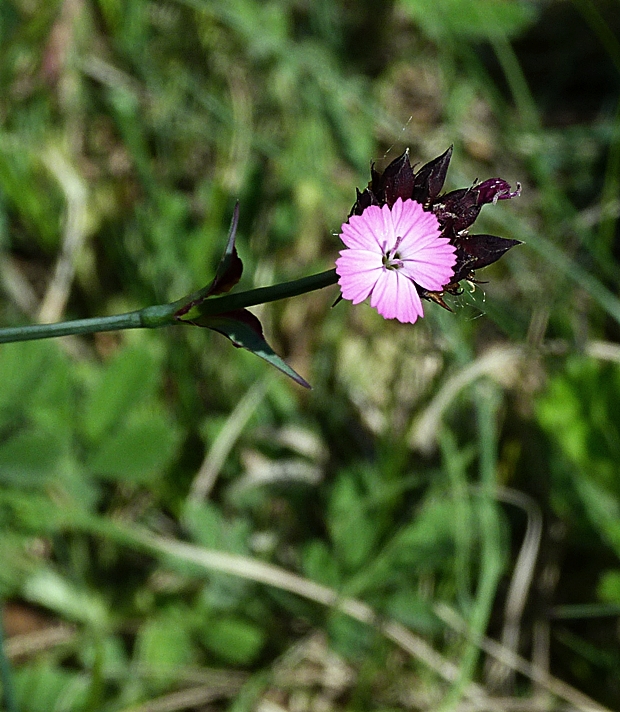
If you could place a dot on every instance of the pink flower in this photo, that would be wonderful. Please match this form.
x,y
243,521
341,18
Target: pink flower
x,y
389,252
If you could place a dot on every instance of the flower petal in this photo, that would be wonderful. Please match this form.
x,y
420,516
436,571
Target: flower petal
x,y
388,250
384,296
409,302
435,257
413,223
431,266
395,297
355,233
358,271
428,258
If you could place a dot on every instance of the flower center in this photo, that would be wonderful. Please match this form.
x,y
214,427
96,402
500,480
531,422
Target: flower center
x,y
391,258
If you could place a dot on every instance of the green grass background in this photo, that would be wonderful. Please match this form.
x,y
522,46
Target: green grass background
x,y
184,529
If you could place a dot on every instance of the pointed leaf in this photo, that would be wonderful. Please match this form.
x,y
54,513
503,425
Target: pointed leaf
x,y
230,269
245,331
460,208
228,272
464,265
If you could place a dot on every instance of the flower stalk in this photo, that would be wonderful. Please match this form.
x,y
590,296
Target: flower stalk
x,y
160,315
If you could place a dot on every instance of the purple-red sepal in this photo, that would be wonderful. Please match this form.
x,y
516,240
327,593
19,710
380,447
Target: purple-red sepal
x,y
456,211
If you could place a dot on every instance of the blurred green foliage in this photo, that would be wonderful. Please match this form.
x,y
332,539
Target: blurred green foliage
x,y
127,132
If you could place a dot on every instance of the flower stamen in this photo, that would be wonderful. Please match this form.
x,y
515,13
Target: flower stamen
x,y
391,258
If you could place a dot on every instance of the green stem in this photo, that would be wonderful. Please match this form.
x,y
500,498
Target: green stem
x,y
262,295
163,314
65,328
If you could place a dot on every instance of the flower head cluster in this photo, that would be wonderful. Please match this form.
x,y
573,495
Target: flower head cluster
x,y
405,241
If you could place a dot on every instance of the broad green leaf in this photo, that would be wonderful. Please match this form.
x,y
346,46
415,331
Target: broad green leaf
x,y
409,608
129,379
41,687
31,511
29,189
56,593
349,637
163,644
480,20
205,523
602,507
319,564
18,561
429,540
208,527
22,369
351,528
140,451
53,404
234,640
609,586
29,459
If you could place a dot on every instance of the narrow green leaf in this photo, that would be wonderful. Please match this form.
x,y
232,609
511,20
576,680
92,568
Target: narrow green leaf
x,y
245,331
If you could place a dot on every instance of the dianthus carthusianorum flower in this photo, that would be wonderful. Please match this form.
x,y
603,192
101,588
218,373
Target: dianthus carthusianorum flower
x,y
405,241
389,251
